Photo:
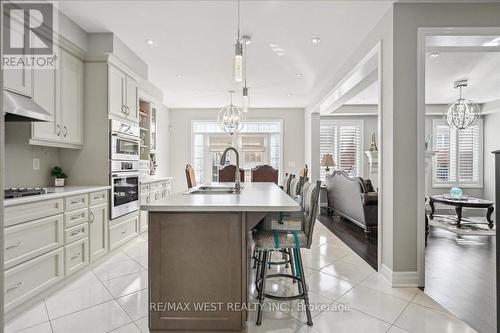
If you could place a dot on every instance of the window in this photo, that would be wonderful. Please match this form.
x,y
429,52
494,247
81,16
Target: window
x,y
458,160
259,142
342,139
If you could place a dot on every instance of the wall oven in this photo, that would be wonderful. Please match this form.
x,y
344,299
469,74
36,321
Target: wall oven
x,y
125,142
124,193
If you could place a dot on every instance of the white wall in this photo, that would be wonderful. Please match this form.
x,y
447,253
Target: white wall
x,y
491,143
180,143
163,156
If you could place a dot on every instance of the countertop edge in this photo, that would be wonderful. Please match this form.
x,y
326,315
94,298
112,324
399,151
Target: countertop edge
x,y
64,193
153,180
232,208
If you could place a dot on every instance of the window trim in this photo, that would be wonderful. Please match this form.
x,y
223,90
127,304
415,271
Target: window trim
x,y
350,122
449,185
280,121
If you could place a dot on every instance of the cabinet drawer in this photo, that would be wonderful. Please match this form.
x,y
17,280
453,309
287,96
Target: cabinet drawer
x,y
122,232
75,202
153,187
76,217
32,211
32,277
156,196
144,188
76,255
75,233
145,199
98,198
28,240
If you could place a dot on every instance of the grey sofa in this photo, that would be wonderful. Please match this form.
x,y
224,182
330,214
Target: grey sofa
x,y
354,199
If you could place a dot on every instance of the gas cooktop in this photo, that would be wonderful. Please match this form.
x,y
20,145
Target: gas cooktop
x,y
10,193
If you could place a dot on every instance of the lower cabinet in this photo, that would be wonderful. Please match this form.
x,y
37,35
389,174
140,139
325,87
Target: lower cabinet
x,y
28,279
98,231
143,221
123,229
76,255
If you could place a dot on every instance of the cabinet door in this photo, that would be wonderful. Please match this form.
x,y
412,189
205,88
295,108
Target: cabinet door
x,y
132,108
18,80
116,91
46,94
71,98
98,231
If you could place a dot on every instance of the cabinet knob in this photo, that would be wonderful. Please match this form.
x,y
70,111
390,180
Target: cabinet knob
x,y
58,128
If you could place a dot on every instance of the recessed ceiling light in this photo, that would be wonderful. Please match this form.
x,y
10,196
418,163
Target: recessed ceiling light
x,y
316,40
298,75
289,94
150,41
434,55
179,76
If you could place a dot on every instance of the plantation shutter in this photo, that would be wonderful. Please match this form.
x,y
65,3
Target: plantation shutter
x,y
468,155
327,144
444,171
349,149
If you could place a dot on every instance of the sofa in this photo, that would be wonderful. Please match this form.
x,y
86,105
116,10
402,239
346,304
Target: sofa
x,y
353,199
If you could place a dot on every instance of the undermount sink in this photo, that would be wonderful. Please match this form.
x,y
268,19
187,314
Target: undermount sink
x,y
212,190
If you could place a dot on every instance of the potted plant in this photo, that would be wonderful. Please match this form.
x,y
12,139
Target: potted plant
x,y
59,176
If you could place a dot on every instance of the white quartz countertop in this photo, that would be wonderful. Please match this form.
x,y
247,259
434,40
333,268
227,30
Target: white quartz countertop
x,y
152,179
55,192
254,197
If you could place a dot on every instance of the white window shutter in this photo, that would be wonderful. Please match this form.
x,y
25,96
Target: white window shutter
x,y
349,146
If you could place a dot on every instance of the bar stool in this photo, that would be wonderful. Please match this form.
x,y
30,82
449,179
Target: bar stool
x,y
269,240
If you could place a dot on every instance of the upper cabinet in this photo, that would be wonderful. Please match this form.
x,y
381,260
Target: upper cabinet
x,y
122,95
60,92
18,80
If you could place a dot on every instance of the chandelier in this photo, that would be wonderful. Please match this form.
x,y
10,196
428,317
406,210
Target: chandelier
x,y
462,113
230,118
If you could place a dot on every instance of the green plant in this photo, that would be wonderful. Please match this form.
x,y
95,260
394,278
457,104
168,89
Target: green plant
x,y
57,172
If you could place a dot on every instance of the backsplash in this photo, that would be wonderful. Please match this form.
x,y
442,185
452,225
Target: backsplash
x,y
19,159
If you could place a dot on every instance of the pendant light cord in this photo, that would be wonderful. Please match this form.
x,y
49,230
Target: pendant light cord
x,y
238,21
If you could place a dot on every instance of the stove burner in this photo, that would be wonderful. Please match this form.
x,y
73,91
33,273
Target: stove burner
x,y
10,193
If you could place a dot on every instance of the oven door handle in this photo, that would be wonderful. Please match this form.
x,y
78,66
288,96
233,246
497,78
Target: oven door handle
x,y
124,174
128,137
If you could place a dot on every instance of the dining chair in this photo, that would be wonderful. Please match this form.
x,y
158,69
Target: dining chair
x,y
265,173
227,173
303,172
190,177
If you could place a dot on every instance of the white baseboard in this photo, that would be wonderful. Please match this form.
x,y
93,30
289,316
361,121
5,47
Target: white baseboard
x,y
400,279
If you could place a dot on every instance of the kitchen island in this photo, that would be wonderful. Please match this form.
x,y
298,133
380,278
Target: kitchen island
x,y
200,255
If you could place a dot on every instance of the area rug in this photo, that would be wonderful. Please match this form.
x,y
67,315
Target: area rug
x,y
468,227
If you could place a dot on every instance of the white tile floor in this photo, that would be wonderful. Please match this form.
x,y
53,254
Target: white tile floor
x,y
113,298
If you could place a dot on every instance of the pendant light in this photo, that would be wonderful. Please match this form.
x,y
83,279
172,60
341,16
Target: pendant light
x,y
230,118
238,53
462,113
245,104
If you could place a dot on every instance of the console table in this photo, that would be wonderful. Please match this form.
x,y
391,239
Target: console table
x,y
459,204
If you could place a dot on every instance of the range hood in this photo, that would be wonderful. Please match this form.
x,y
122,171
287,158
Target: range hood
x,y
20,108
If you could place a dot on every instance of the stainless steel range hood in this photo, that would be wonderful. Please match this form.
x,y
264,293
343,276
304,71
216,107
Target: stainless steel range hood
x,y
20,108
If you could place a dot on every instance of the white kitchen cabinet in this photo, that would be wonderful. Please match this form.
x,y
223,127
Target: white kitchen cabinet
x,y
60,92
123,230
98,231
76,256
18,80
122,95
71,98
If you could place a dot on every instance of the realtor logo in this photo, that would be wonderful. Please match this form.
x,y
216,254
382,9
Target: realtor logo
x,y
28,34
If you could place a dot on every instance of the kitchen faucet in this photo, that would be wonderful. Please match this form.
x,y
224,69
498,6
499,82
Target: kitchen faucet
x,y
237,180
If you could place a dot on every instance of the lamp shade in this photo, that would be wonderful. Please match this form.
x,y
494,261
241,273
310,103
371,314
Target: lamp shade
x,y
327,160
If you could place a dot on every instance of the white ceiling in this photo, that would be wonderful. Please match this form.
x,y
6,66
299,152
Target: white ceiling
x,y
195,39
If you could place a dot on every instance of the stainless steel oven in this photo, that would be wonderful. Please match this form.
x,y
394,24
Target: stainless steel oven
x,y
125,142
124,193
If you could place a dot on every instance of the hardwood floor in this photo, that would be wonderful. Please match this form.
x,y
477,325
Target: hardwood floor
x,y
460,275
353,236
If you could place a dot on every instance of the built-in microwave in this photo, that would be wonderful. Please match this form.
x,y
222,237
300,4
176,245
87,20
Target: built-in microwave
x,y
124,193
125,142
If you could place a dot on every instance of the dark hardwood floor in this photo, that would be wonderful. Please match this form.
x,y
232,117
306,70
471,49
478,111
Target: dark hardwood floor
x,y
353,236
460,275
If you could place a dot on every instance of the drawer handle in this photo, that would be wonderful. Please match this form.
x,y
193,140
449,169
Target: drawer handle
x,y
19,284
76,256
14,246
99,197
77,201
81,231
123,232
82,215
92,217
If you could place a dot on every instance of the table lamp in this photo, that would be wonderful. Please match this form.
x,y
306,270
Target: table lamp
x,y
327,161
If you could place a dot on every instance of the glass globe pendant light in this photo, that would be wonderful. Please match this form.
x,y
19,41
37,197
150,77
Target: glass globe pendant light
x,y
462,113
230,118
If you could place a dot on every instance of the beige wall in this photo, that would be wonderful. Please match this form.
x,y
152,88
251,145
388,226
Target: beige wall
x,y
180,143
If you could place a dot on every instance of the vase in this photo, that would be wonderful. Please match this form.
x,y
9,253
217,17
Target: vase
x,y
59,182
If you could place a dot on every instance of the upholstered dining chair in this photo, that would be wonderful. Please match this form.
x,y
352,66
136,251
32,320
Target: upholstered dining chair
x,y
227,174
265,173
286,182
190,177
303,172
267,241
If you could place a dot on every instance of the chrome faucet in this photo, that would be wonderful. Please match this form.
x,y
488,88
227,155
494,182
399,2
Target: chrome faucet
x,y
237,179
